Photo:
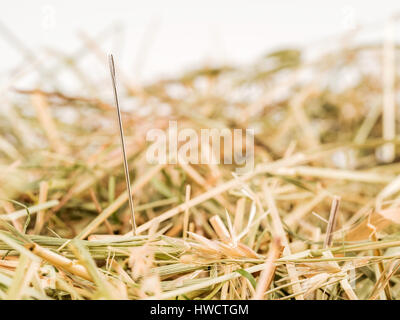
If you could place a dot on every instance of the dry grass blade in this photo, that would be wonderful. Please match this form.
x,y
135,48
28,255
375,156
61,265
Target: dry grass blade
x,y
267,274
331,222
202,229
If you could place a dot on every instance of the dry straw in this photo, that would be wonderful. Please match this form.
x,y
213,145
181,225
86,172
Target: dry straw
x,y
202,232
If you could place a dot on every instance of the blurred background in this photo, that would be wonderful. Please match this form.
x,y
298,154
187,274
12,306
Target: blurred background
x,y
156,38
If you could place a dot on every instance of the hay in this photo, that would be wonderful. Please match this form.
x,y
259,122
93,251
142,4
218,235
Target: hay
x,y
324,130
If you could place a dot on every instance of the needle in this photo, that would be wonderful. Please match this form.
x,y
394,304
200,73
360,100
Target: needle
x,y
121,131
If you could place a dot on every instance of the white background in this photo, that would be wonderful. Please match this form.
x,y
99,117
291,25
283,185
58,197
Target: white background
x,y
181,34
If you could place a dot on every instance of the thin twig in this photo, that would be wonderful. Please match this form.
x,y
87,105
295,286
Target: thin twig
x,y
331,222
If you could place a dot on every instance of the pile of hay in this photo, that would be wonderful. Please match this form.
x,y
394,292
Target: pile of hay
x,y
317,217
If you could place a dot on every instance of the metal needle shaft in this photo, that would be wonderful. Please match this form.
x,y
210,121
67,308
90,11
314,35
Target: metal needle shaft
x,y
121,130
